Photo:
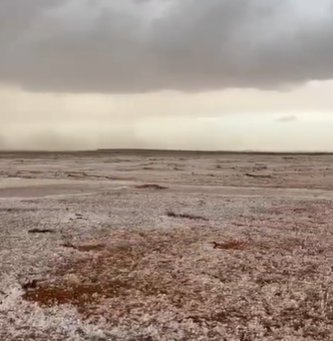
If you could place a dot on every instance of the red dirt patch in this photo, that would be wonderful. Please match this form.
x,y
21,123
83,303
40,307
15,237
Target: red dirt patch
x,y
232,244
118,271
84,247
151,186
185,216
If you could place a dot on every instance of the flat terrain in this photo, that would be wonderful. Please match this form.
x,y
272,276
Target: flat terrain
x,y
161,246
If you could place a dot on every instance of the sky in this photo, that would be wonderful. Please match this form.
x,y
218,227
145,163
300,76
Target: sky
x,y
190,74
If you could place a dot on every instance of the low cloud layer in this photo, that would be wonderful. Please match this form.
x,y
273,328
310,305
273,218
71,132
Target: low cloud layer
x,y
128,46
286,118
257,132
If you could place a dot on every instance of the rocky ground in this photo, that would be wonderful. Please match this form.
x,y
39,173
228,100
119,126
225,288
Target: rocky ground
x,y
165,246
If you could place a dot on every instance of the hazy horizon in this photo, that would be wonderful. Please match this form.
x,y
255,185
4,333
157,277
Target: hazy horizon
x,y
154,74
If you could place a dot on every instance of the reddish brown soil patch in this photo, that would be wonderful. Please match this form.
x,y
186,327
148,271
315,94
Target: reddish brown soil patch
x,y
185,216
90,284
84,247
119,271
232,244
151,186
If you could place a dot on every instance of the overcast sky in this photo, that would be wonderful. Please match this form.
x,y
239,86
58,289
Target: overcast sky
x,y
212,74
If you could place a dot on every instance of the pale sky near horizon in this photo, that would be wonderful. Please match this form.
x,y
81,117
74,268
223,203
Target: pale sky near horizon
x,y
218,74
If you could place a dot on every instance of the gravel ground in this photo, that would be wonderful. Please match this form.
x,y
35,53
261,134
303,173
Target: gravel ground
x,y
145,247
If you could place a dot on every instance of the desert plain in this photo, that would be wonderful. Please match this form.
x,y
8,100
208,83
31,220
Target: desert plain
x,y
161,246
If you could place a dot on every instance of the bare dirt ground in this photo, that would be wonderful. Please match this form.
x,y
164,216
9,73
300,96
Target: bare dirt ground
x,y
165,246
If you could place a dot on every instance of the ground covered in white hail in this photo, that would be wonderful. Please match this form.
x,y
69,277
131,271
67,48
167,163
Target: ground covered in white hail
x,y
165,247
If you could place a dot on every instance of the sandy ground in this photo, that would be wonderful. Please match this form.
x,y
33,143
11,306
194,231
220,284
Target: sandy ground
x,y
165,246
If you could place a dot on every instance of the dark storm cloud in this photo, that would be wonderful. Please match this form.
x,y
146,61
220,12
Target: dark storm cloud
x,y
133,46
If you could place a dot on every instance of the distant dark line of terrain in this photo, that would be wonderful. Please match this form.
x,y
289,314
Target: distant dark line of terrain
x,y
150,152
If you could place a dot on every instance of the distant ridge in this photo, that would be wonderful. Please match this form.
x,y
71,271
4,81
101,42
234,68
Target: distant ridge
x,y
160,152
183,151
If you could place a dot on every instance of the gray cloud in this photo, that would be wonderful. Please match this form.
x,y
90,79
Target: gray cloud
x,y
128,46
